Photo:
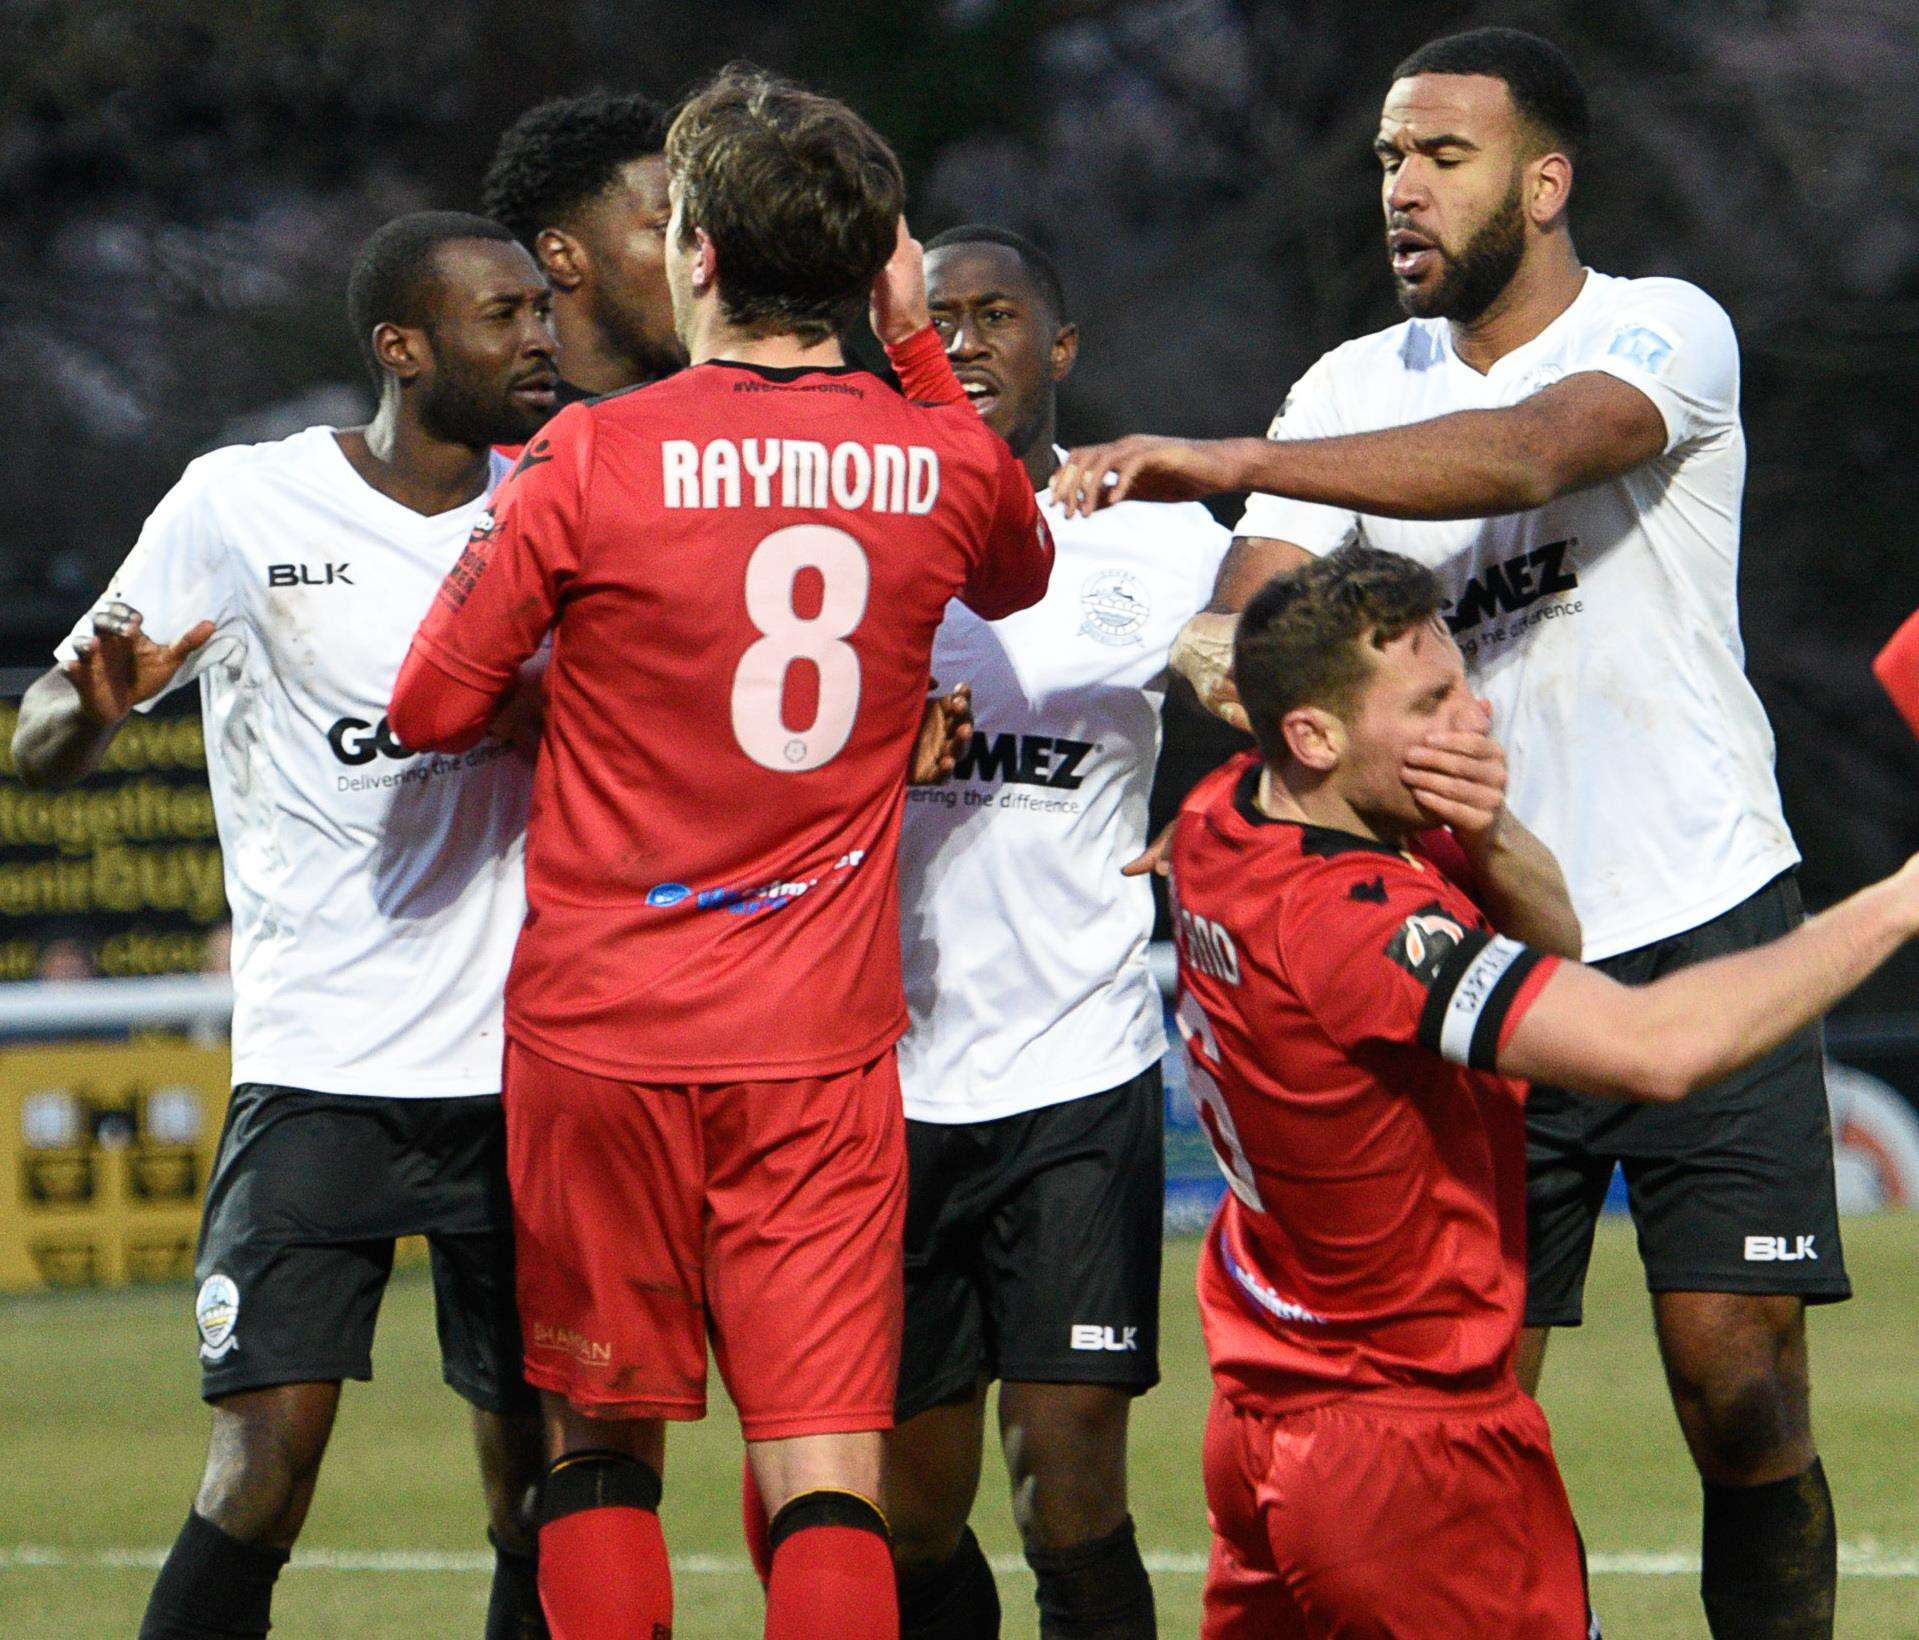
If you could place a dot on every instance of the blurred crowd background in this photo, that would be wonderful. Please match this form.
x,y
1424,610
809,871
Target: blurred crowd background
x,y
183,183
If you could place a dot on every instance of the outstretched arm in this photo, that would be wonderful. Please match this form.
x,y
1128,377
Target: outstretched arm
x,y
70,714
1681,1033
1473,464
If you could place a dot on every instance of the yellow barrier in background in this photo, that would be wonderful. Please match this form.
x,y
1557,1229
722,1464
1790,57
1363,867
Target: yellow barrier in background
x,y
106,1147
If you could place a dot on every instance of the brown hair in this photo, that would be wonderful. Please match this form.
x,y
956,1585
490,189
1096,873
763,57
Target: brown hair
x,y
1305,638
800,196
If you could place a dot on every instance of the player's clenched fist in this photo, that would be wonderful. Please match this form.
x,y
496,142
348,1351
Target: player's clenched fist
x,y
120,666
899,307
946,725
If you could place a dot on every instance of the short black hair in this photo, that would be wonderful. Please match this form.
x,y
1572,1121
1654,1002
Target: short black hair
x,y
1545,87
1303,638
388,284
565,152
1043,268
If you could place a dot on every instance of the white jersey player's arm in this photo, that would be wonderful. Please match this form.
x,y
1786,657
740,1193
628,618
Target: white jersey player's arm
x,y
1695,1027
70,714
1590,427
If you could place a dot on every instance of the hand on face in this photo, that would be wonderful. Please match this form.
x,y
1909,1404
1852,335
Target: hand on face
x,y
898,307
1457,773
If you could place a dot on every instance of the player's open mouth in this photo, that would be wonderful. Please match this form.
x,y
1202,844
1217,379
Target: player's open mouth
x,y
981,393
540,390
1413,254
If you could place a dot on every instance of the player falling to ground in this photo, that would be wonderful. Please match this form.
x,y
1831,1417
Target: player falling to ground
x,y
743,568
376,898
1031,1070
1564,448
581,181
1364,1004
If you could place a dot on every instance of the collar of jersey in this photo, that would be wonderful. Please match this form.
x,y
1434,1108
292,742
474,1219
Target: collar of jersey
x,y
1312,839
788,372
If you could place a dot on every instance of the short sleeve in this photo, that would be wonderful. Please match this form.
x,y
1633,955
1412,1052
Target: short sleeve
x,y
1676,345
1310,411
1390,957
178,574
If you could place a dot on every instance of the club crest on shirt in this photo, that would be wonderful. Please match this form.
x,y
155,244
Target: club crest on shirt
x,y
1423,942
1113,607
216,1311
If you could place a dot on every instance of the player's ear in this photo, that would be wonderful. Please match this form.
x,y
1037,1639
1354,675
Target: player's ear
x,y
1065,351
400,349
1315,738
562,258
706,262
1548,189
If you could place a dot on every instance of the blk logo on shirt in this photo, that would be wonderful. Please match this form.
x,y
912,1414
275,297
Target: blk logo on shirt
x,y
308,575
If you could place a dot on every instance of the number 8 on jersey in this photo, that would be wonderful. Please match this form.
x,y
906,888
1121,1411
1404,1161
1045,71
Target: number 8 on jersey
x,y
759,682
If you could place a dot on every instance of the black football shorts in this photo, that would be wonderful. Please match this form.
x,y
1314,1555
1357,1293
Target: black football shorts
x,y
309,1192
1033,1247
1731,1189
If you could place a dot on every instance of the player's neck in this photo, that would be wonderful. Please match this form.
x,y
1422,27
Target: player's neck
x,y
591,360
1548,282
1313,803
407,464
782,352
1040,460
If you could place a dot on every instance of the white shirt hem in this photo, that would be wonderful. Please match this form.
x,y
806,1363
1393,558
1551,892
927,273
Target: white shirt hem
x,y
963,1112
395,1084
1616,942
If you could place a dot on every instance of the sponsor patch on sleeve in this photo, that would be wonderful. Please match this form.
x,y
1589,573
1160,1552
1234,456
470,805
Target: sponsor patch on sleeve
x,y
1643,346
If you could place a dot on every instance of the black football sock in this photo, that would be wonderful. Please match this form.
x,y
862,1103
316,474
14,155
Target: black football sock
x,y
212,1587
513,1610
1770,1560
956,1600
1094,1591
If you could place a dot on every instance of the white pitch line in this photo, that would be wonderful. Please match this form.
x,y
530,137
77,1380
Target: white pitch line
x,y
1862,1559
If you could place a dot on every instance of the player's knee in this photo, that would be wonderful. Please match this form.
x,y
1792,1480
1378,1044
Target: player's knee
x,y
1747,1424
1066,1456
256,1490
923,1539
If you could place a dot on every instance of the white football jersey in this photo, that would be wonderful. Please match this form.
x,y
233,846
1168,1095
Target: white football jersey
x,y
376,895
1025,949
1604,626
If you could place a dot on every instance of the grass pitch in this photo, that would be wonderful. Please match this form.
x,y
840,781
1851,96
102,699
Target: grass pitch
x,y
101,1440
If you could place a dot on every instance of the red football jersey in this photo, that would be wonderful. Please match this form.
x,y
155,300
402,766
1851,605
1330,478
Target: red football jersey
x,y
1341,1002
743,569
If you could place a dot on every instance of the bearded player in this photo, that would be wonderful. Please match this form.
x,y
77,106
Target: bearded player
x,y
1365,1003
376,898
1564,449
743,568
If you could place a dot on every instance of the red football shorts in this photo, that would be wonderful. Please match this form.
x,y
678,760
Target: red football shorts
x,y
764,1215
1367,1523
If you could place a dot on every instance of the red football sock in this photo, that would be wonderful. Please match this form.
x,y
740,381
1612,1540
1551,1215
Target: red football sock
x,y
753,1519
604,1575
832,1581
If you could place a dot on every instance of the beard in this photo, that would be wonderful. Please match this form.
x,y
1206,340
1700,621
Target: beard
x,y
476,413
1471,281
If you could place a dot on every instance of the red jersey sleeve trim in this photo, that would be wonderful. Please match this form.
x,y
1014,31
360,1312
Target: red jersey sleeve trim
x,y
1476,994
